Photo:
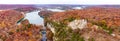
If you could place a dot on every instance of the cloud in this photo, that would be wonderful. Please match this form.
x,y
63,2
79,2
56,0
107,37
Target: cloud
x,y
59,1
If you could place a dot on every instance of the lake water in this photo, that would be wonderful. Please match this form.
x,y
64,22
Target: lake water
x,y
34,18
56,10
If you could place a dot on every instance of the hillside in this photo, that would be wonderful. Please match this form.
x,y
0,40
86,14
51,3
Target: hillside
x,y
10,30
88,24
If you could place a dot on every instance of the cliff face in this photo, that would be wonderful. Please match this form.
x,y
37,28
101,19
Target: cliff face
x,y
100,23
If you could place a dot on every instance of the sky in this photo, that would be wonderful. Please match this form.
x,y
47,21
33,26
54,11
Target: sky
x,y
93,2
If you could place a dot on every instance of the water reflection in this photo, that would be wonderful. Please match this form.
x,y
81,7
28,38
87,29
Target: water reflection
x,y
34,18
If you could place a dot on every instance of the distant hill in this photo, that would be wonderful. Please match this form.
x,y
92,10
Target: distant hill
x,y
10,6
59,6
